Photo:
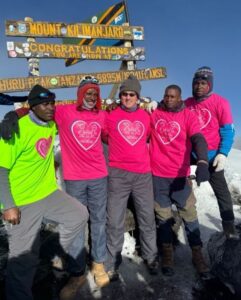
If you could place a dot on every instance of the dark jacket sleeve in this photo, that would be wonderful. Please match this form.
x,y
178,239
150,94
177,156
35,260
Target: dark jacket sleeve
x,y
9,100
6,196
199,147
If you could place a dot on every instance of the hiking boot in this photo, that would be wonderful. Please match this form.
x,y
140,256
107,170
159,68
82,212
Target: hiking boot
x,y
167,262
100,275
199,261
153,266
72,287
230,230
113,275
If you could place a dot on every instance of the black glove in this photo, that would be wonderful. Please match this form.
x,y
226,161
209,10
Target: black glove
x,y
202,172
9,125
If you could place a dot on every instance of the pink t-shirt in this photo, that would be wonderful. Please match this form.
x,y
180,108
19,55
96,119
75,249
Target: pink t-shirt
x,y
170,144
127,139
80,142
212,113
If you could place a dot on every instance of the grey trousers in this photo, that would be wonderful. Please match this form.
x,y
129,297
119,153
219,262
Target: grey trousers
x,y
93,194
23,238
121,184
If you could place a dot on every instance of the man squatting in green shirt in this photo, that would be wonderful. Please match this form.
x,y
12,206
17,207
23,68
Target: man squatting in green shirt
x,y
29,193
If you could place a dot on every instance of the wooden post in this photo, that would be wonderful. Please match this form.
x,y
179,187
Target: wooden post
x,y
33,63
125,65
130,65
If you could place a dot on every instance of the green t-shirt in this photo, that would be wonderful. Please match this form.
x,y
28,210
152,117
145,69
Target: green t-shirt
x,y
30,160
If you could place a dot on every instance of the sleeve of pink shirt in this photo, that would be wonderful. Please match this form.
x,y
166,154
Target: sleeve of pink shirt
x,y
193,125
224,112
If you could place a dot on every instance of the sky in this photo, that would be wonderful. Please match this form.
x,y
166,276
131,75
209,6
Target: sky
x,y
180,35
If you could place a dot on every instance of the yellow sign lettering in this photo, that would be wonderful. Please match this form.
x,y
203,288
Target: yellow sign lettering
x,y
78,30
72,80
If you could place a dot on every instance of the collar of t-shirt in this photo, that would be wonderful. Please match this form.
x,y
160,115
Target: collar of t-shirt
x,y
133,108
178,108
36,120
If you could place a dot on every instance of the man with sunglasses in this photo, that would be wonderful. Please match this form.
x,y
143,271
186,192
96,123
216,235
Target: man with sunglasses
x,y
127,132
30,193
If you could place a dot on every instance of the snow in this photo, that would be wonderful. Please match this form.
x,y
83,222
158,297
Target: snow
x,y
135,281
233,161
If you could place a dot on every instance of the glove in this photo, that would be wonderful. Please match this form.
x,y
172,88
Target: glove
x,y
9,125
150,107
202,172
219,162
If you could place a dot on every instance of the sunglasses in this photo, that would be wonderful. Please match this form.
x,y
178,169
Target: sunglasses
x,y
88,79
125,94
49,96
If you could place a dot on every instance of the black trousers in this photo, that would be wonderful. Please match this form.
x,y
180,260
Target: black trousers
x,y
221,191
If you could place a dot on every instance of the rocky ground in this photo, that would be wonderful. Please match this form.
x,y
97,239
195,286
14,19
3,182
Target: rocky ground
x,y
135,281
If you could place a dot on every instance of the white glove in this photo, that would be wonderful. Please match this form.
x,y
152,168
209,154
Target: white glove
x,y
219,162
150,107
18,105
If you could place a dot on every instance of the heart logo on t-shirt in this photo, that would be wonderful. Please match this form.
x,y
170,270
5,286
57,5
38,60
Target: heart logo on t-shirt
x,y
43,145
204,116
86,134
132,132
167,131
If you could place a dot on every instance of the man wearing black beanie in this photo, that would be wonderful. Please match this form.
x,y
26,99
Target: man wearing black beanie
x,y
30,194
215,118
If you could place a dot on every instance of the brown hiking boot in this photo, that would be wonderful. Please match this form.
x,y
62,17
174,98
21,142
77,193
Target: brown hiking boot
x,y
72,287
230,230
199,261
167,261
100,275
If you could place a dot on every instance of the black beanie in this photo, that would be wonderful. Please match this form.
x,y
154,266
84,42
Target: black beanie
x,y
39,94
204,73
130,84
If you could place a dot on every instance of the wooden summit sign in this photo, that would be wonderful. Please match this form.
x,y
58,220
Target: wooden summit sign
x,y
63,81
77,30
27,50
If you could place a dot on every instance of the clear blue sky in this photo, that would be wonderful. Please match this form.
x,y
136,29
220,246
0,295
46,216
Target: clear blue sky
x,y
180,35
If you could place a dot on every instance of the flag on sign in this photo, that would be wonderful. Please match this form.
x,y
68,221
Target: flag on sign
x,y
114,15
